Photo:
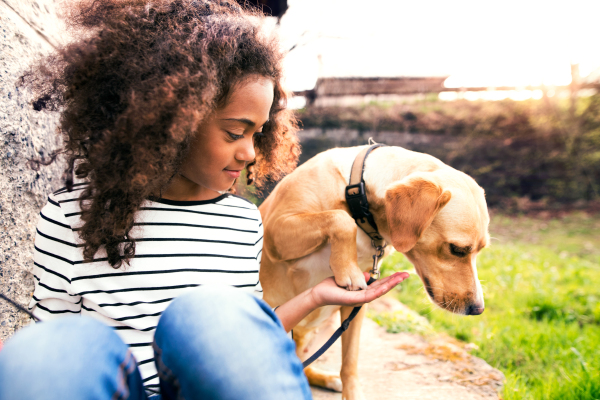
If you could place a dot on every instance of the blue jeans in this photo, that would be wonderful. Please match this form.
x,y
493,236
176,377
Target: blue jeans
x,y
211,343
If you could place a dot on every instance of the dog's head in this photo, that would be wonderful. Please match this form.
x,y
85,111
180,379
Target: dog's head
x,y
439,220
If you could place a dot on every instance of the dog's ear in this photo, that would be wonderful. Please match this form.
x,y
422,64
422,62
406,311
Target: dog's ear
x,y
410,206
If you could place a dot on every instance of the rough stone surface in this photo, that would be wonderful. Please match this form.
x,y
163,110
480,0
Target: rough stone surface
x,y
28,29
408,366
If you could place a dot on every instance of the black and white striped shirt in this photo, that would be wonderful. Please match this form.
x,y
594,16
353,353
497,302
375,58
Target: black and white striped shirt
x,y
179,245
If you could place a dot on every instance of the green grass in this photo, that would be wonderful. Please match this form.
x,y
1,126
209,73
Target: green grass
x,y
541,326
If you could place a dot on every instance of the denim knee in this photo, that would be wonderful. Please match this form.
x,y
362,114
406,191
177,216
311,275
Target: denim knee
x,y
58,339
223,343
214,305
67,356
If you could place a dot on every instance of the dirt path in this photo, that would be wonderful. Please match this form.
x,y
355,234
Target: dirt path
x,y
406,366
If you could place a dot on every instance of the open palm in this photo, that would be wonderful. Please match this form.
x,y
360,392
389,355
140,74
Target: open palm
x,y
329,293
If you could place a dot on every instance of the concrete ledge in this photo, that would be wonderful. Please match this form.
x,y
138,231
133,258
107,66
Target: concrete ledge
x,y
407,366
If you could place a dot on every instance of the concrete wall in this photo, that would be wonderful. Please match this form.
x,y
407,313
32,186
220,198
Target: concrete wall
x,y
28,29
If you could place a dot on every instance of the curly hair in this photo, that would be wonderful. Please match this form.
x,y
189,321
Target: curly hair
x,y
132,91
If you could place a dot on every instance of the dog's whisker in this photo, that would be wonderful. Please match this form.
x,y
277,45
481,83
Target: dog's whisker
x,y
439,288
451,303
424,308
430,311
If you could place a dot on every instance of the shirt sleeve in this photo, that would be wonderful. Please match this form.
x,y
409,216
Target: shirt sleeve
x,y
53,256
258,247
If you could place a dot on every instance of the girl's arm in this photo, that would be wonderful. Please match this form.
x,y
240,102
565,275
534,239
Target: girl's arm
x,y
329,293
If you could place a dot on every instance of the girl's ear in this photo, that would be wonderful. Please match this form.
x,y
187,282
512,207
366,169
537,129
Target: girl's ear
x,y
410,206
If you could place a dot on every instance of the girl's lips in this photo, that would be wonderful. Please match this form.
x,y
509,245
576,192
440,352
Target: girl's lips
x,y
233,173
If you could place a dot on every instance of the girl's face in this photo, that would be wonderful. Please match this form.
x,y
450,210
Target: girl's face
x,y
224,143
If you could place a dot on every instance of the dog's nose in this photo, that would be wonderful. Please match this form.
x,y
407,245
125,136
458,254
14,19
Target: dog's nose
x,y
475,309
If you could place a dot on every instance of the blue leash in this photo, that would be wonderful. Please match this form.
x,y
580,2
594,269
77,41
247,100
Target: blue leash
x,y
336,334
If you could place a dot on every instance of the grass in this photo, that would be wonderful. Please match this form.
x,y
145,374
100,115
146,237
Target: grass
x,y
541,326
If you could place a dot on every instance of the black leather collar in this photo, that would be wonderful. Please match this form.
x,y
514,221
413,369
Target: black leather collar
x,y
356,197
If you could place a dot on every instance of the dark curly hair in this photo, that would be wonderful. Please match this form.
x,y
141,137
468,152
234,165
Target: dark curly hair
x,y
132,91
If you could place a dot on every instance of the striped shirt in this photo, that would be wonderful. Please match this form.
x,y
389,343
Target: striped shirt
x,y
179,245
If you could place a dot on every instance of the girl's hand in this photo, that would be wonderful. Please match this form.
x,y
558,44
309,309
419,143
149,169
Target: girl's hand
x,y
329,293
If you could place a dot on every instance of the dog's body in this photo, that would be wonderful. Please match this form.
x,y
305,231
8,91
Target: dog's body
x,y
434,214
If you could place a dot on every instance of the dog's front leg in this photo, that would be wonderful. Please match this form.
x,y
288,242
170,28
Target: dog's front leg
x,y
351,389
298,235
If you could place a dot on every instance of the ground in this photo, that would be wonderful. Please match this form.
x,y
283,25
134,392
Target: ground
x,y
411,366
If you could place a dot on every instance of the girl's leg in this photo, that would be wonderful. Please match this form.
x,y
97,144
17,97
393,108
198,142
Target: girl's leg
x,y
68,358
221,343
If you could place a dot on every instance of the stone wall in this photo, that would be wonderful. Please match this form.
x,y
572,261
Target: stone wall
x,y
28,29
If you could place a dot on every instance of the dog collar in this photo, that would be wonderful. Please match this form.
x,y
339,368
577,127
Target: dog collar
x,y
356,197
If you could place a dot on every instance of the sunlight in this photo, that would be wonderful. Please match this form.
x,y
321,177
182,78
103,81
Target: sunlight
x,y
505,74
477,44
493,95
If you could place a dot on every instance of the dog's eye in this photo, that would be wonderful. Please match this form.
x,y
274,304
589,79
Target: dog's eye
x,y
459,251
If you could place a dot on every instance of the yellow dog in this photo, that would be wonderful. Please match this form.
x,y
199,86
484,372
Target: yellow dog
x,y
435,215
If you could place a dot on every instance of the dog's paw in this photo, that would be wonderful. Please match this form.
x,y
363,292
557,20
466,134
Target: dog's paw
x,y
354,280
335,384
326,379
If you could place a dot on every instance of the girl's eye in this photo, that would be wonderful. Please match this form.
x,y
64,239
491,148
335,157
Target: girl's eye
x,y
459,251
233,136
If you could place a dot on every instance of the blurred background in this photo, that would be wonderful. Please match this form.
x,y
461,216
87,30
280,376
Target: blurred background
x,y
508,92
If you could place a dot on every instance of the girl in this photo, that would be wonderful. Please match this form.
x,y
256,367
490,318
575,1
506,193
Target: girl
x,y
150,256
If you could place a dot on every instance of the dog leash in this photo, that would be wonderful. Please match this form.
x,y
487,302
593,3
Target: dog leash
x,y
19,307
356,197
346,324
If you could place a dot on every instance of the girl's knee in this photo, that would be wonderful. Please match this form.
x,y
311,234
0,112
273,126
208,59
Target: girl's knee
x,y
207,301
213,307
73,341
68,331
64,358
215,332
210,296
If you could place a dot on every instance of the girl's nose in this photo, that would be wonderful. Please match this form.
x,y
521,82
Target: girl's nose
x,y
246,150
